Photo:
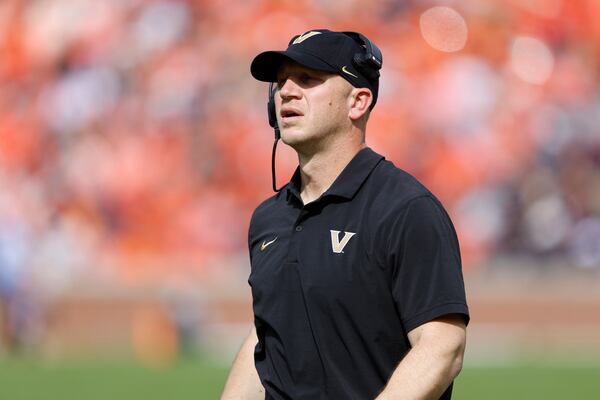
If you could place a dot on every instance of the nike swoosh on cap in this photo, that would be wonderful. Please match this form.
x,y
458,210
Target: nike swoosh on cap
x,y
345,69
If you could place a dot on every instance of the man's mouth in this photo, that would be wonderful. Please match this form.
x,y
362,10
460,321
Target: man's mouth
x,y
287,113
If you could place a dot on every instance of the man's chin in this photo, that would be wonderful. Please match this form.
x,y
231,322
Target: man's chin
x,y
300,144
292,136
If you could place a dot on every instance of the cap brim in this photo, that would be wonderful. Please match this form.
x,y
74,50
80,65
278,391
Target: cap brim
x,y
265,66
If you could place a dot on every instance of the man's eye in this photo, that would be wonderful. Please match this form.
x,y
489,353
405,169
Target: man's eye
x,y
306,78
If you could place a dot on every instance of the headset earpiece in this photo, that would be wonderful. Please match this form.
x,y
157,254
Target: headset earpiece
x,y
273,122
371,60
271,106
271,110
361,62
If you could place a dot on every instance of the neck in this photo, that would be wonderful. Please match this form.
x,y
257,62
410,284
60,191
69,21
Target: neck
x,y
319,170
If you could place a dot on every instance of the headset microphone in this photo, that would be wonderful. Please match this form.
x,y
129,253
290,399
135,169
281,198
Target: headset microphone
x,y
275,126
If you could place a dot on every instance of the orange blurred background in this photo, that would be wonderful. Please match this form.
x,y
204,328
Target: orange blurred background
x,y
134,146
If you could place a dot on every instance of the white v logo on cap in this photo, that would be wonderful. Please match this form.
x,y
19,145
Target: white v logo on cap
x,y
305,36
336,245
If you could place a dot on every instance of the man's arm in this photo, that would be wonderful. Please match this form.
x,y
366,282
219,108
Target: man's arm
x,y
433,362
243,382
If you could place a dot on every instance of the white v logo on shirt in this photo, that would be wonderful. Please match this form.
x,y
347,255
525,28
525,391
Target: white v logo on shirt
x,y
336,245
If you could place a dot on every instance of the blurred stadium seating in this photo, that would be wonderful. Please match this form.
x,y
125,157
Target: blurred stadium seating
x,y
134,148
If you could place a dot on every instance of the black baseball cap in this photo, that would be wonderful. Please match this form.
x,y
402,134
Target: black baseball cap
x,y
322,50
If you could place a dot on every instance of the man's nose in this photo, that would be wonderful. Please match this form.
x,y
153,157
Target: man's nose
x,y
289,89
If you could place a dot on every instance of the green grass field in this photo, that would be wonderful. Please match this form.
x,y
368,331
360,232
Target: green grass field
x,y
91,380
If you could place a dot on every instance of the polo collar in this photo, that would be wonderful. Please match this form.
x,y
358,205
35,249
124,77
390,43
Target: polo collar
x,y
348,182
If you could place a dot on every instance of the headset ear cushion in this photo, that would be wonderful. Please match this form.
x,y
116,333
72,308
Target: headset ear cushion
x,y
272,115
271,107
361,62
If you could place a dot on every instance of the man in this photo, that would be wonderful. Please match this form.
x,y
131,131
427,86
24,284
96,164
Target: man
x,y
355,267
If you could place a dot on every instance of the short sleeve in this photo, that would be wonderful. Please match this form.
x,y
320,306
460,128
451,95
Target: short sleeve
x,y
427,281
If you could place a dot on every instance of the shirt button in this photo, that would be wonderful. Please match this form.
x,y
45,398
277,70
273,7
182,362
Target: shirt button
x,y
298,228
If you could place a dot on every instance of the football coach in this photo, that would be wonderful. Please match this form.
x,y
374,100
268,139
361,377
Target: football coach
x,y
355,266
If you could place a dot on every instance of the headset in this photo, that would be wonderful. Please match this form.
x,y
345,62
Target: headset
x,y
368,63
273,123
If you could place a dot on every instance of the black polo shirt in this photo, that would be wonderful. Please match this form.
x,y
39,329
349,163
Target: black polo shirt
x,y
339,282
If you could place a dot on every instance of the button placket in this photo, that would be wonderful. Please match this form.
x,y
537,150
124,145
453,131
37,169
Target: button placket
x,y
298,227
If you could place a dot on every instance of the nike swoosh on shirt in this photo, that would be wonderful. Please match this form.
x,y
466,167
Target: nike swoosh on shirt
x,y
264,245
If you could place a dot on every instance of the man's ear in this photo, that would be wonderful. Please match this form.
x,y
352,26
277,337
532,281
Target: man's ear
x,y
360,101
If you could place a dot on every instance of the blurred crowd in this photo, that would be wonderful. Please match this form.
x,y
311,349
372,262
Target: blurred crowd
x,y
134,143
